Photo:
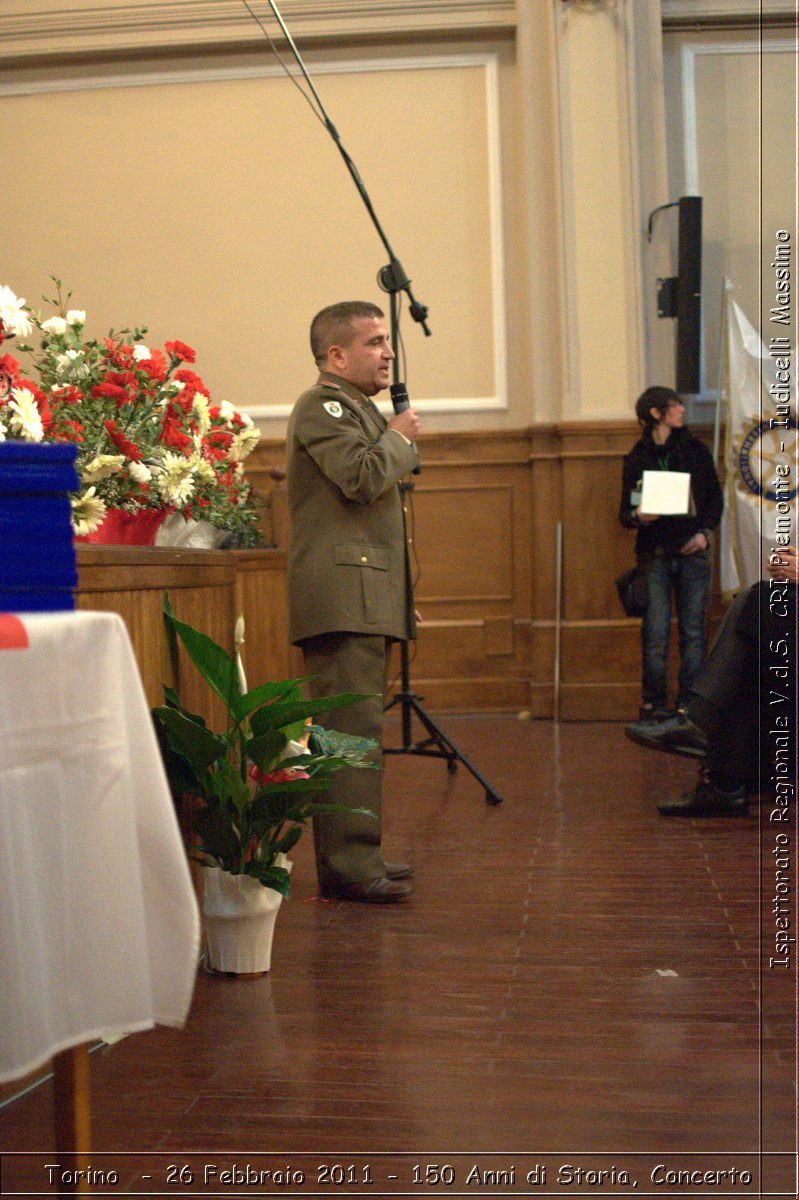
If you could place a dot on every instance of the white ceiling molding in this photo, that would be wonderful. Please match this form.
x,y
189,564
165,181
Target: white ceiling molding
x,y
689,14
33,28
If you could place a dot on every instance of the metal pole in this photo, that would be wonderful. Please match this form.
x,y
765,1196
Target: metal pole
x,y
558,595
725,283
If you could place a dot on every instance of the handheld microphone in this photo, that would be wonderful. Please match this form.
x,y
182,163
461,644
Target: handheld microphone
x,y
400,400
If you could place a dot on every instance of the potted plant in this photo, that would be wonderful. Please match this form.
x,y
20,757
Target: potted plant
x,y
259,781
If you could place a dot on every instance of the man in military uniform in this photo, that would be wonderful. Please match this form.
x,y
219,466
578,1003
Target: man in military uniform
x,y
348,574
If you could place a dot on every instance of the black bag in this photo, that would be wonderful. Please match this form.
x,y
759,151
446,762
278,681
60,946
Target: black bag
x,y
632,590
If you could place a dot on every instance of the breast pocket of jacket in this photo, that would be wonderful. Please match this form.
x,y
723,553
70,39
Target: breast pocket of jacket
x,y
363,582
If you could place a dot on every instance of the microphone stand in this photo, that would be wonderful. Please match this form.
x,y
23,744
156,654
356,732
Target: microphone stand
x,y
437,744
392,279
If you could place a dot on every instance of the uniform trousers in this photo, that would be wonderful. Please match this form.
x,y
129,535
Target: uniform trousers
x,y
348,844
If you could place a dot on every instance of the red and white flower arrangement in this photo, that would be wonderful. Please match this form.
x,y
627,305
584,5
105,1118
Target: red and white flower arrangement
x,y
148,433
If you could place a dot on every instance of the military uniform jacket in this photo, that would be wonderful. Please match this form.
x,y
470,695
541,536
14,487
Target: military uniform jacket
x,y
348,563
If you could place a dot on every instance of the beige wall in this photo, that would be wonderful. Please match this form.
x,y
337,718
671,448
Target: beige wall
x,y
172,177
170,174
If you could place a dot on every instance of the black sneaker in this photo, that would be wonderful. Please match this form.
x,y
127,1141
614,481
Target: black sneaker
x,y
677,735
707,800
649,715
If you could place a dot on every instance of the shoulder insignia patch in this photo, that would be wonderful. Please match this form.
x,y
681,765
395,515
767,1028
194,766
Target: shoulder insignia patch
x,y
333,407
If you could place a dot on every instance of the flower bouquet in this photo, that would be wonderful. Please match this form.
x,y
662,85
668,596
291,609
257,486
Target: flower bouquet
x,y
147,432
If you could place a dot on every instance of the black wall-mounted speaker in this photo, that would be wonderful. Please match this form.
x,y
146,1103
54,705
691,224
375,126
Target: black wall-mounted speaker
x,y
689,294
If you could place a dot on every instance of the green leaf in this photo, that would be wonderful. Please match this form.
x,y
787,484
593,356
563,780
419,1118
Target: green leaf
x,y
228,787
216,666
269,876
265,694
198,745
286,712
354,750
289,840
264,749
218,837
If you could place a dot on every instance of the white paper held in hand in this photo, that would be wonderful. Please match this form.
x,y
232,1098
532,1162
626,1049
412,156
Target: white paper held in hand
x,y
666,493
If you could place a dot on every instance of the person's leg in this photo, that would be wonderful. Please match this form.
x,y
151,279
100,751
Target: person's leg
x,y
655,636
348,844
692,587
724,705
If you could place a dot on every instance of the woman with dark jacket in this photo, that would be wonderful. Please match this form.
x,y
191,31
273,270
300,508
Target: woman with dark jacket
x,y
675,552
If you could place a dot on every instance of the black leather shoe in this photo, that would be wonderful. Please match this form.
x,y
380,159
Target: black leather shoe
x,y
678,735
707,800
398,870
371,891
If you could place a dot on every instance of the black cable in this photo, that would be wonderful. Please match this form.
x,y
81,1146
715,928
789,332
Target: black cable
x,y
317,112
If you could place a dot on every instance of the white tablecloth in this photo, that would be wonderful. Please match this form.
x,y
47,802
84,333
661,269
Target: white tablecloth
x,y
99,929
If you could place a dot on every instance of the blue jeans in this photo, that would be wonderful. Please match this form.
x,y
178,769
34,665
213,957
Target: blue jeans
x,y
688,576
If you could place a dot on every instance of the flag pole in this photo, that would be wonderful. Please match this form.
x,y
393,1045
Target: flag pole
x,y
725,285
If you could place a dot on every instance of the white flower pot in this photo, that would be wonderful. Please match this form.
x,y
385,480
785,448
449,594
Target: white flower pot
x,y
177,532
240,915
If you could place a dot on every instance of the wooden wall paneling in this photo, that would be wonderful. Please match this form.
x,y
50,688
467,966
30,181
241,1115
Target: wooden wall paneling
x,y
486,509
132,581
600,655
470,528
261,596
546,505
265,470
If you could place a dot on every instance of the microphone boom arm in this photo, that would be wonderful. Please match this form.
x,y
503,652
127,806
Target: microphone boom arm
x,y
392,277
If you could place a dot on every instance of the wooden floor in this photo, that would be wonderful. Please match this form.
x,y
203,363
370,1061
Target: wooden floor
x,y
575,987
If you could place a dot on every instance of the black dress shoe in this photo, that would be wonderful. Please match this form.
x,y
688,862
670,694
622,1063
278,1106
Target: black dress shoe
x,y
398,870
707,800
371,891
678,735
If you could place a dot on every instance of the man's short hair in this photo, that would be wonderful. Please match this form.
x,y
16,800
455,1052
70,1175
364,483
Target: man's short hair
x,y
333,325
654,397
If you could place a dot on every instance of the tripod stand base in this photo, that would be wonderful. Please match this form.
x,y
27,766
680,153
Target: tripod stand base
x,y
436,745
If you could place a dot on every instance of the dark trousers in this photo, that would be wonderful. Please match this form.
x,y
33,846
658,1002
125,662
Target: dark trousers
x,y
687,577
348,844
736,700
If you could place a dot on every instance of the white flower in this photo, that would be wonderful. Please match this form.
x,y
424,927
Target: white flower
x,y
201,409
141,352
25,419
55,325
140,472
176,481
101,467
2,432
88,512
70,364
12,313
76,316
226,411
243,444
204,471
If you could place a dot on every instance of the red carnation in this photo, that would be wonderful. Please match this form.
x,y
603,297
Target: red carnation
x,y
68,395
180,351
9,366
119,354
110,391
219,437
129,449
154,366
191,379
172,435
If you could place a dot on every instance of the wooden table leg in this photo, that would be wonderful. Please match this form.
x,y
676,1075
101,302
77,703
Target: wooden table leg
x,y
72,1103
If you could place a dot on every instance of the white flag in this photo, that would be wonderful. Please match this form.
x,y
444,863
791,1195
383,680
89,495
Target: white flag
x,y
760,454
